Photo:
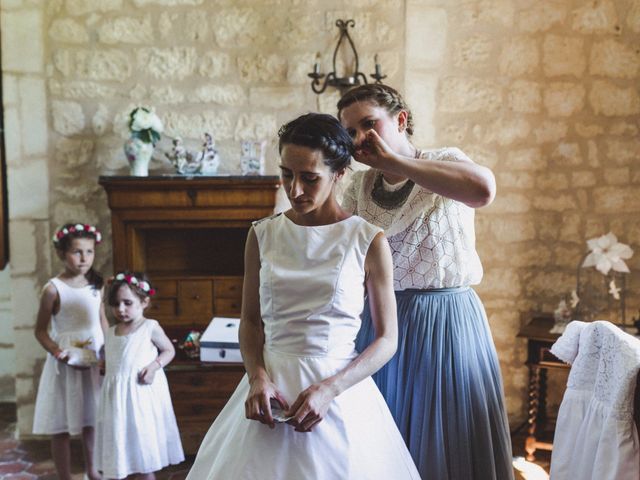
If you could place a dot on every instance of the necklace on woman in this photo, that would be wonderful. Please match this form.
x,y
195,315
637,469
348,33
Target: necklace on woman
x,y
390,200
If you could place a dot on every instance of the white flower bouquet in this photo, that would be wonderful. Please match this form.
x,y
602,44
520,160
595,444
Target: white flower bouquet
x,y
145,125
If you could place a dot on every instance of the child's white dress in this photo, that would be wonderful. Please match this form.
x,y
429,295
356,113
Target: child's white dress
x,y
67,396
136,430
311,296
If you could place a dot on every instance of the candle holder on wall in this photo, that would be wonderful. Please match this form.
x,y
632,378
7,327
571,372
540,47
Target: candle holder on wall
x,y
346,82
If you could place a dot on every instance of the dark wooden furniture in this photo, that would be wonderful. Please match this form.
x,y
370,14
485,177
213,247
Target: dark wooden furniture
x,y
540,360
188,235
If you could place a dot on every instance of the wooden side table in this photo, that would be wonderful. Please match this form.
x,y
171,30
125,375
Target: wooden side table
x,y
539,361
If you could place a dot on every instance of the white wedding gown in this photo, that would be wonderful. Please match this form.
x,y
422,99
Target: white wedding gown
x,y
311,297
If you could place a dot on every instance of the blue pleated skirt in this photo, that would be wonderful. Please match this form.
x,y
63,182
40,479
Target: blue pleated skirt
x,y
443,386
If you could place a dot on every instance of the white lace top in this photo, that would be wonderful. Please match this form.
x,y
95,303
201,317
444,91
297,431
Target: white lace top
x,y
596,437
432,237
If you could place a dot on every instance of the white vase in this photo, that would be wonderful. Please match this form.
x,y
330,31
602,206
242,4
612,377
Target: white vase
x,y
139,155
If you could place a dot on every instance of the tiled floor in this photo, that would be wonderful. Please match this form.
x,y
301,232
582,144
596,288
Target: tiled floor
x,y
31,459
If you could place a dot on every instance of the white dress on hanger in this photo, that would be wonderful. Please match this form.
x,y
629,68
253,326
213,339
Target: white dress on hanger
x,y
596,437
311,297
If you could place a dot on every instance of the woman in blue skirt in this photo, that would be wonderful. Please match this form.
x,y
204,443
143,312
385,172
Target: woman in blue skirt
x,y
443,386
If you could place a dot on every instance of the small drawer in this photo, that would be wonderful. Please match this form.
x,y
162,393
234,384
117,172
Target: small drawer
x,y
227,306
162,307
228,288
195,298
166,288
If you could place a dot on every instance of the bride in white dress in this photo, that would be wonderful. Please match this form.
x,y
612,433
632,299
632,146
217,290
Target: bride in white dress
x,y
306,271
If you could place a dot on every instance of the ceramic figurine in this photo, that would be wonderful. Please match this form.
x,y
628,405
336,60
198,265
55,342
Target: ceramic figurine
x,y
252,157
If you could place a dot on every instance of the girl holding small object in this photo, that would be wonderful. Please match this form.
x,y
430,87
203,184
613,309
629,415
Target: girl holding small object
x,y
136,431
70,326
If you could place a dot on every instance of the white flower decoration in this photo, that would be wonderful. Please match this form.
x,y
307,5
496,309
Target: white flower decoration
x,y
145,286
79,227
120,276
606,254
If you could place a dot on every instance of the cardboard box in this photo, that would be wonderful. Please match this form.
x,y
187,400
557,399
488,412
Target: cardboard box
x,y
219,342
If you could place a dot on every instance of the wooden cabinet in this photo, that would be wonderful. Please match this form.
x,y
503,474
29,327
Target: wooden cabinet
x,y
188,235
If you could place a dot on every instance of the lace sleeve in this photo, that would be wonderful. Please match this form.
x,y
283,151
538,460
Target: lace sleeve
x,y
448,154
566,347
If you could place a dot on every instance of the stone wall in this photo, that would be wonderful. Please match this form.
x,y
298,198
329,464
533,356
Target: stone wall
x,y
544,92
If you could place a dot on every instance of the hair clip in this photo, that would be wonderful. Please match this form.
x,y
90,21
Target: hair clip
x,y
78,227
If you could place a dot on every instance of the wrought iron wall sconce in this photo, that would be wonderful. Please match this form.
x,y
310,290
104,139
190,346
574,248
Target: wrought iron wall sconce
x,y
332,79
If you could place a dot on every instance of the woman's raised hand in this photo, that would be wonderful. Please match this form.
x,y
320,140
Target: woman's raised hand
x,y
310,407
373,150
257,406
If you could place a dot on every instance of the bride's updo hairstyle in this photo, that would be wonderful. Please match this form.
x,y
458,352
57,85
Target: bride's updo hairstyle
x,y
323,132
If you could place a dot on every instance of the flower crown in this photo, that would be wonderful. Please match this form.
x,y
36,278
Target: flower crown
x,y
78,227
133,280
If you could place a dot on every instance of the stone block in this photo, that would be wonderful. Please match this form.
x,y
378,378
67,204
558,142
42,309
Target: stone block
x,y
166,3
472,52
28,190
584,178
166,94
239,27
82,7
64,211
426,36
514,180
563,56
33,116
624,128
277,98
10,95
262,68
617,176
73,153
164,63
588,130
608,99
214,65
510,202
233,95
506,131
103,65
549,131
596,18
12,136
68,30
563,99
22,237
525,97
612,58
421,95
525,159
68,117
542,15
621,151
25,296
615,200
136,30
77,90
501,283
519,56
633,17
464,94
550,181
100,120
22,30
555,203
255,126
567,154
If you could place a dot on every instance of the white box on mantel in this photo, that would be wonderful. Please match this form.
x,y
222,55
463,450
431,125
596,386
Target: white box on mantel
x,y
219,342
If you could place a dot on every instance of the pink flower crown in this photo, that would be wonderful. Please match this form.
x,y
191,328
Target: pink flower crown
x,y
136,282
78,227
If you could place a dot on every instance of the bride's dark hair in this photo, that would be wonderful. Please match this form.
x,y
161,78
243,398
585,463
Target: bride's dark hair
x,y
322,132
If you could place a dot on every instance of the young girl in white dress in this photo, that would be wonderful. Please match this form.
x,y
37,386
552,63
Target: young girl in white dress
x,y
70,321
307,407
136,431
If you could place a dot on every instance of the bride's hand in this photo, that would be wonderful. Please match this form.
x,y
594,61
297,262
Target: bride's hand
x,y
373,151
310,407
257,405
